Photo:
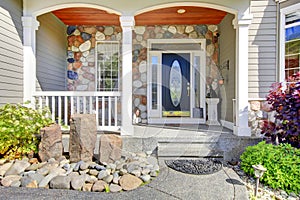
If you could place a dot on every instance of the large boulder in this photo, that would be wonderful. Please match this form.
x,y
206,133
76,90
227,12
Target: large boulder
x,y
51,143
110,148
130,182
83,135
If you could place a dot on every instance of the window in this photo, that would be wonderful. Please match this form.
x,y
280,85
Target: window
x,y
107,67
292,43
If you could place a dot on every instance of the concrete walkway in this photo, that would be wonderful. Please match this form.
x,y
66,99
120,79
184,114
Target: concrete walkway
x,y
170,184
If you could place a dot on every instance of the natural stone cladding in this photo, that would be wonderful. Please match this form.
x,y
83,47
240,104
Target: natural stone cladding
x,y
81,54
128,173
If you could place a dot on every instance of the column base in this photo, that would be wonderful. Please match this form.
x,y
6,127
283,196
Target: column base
x,y
212,123
242,131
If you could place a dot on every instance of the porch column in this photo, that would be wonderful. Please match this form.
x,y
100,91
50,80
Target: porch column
x,y
241,127
127,23
30,25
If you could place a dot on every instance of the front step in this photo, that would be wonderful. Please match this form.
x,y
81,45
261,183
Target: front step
x,y
183,149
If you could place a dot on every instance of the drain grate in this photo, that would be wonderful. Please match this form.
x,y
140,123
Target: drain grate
x,y
198,166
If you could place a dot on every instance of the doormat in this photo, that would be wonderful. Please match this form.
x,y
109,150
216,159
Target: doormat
x,y
198,167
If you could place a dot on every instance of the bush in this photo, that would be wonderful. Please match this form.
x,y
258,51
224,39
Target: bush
x,y
282,162
19,128
285,101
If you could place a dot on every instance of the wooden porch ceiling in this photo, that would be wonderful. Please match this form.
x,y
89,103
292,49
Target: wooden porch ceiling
x,y
190,15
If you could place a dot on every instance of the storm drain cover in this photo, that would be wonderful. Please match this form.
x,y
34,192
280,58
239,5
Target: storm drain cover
x,y
198,166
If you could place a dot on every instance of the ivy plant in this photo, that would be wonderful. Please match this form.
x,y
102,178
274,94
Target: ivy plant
x,y
19,129
281,161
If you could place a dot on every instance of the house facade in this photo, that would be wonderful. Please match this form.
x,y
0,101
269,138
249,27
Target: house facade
x,y
148,62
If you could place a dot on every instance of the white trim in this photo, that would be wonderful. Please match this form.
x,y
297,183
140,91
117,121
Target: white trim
x,y
75,93
155,116
70,5
283,13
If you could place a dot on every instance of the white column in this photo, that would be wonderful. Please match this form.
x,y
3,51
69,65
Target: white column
x,y
30,25
127,23
241,127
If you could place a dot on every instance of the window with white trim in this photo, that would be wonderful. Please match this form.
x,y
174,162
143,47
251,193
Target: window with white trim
x,y
107,66
292,43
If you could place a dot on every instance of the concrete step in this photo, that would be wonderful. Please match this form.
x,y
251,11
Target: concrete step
x,y
183,149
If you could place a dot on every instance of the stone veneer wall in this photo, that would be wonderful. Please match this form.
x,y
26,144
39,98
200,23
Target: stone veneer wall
x,y
81,53
140,36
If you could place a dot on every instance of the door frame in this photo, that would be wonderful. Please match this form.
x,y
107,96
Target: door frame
x,y
155,115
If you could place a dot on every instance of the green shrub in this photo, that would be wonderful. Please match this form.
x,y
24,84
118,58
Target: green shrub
x,y
19,128
282,162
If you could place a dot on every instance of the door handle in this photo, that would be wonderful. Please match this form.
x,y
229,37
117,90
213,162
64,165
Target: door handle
x,y
188,89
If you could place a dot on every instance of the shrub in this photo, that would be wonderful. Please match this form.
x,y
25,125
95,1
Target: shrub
x,y
19,128
285,101
282,162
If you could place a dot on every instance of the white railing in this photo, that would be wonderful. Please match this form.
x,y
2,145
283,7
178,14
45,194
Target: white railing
x,y
62,104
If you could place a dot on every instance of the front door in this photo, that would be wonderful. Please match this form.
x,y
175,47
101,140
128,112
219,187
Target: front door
x,y
176,85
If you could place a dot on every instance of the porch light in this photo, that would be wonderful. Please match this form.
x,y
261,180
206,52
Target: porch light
x,y
259,171
181,11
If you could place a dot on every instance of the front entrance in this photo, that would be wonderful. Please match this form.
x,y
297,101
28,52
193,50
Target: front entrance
x,y
176,85
176,81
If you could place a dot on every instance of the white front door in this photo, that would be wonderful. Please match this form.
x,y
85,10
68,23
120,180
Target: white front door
x,y
176,81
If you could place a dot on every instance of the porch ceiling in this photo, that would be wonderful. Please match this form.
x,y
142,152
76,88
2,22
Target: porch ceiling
x,y
190,15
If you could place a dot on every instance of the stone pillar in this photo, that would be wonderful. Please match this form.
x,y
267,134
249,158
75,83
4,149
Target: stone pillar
x,y
51,143
30,25
212,109
83,136
127,23
241,128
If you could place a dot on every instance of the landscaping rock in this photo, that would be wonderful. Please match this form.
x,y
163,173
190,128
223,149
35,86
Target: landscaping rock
x,y
18,167
99,186
130,182
103,174
77,182
114,188
83,134
110,147
37,177
87,187
4,168
8,180
51,143
146,178
108,179
60,182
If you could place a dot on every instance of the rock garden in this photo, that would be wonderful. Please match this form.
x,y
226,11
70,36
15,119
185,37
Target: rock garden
x,y
34,158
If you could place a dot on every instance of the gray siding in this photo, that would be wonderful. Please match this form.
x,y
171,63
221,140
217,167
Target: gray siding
x,y
51,54
11,52
262,47
227,52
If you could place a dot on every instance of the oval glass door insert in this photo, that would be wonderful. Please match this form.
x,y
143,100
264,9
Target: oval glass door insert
x,y
175,84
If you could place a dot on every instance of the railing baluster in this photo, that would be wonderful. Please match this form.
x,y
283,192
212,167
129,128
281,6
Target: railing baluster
x,y
66,111
47,104
109,111
91,105
53,108
59,110
116,111
78,108
72,105
103,111
40,102
97,112
84,105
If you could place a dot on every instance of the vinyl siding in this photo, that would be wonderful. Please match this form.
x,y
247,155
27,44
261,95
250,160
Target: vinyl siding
x,y
262,47
227,52
51,54
11,52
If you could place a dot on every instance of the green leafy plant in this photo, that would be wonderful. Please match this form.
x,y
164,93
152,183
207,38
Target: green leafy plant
x,y
282,162
19,129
